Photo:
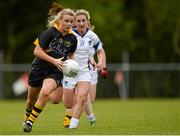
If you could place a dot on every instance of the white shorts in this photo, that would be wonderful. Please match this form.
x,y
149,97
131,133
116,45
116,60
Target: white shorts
x,y
70,82
94,76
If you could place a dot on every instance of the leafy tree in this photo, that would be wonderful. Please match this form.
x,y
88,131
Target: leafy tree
x,y
149,30
21,22
156,30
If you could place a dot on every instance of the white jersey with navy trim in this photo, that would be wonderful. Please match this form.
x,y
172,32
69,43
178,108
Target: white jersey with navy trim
x,y
86,47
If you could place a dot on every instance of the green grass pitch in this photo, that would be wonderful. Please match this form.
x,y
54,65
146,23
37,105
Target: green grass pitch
x,y
114,117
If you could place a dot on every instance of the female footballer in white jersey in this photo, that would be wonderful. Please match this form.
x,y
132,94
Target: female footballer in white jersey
x,y
87,39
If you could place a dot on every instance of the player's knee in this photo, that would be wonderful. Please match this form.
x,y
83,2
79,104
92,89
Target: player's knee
x,y
55,101
68,105
82,99
44,93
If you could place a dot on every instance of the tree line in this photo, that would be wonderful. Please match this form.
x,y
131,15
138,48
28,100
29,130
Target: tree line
x,y
148,29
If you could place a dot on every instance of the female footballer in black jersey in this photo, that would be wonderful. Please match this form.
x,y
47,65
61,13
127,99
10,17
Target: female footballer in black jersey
x,y
53,46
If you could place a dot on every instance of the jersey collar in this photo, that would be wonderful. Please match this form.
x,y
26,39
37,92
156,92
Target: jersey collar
x,y
75,30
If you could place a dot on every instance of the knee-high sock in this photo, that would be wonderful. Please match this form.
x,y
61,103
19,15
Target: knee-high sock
x,y
35,113
27,114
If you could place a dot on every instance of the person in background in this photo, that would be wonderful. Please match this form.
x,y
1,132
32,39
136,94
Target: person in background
x,y
53,46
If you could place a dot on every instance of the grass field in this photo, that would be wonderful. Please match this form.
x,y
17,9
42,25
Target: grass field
x,y
114,117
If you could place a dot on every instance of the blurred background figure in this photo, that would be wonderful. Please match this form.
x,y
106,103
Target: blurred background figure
x,y
20,86
120,82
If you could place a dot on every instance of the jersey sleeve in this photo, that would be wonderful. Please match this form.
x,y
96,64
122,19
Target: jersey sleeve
x,y
44,39
97,44
91,53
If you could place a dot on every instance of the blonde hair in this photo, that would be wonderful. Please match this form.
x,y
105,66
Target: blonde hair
x,y
82,12
60,15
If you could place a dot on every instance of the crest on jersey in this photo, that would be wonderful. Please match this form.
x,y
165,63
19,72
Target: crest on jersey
x,y
68,43
60,40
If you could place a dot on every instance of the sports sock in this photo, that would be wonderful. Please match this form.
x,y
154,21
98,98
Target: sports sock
x,y
91,117
74,123
27,114
69,114
67,119
35,113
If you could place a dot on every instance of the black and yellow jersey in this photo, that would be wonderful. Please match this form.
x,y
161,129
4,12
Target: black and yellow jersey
x,y
55,44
